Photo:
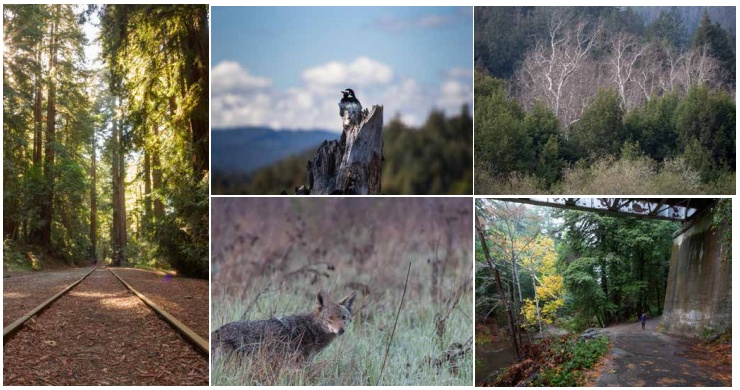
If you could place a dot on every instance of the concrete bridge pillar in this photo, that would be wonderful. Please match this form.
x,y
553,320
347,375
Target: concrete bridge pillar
x,y
698,299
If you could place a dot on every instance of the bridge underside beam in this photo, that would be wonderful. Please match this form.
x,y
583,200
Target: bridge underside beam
x,y
670,209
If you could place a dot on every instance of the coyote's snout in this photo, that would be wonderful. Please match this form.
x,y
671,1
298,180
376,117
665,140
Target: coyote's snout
x,y
303,334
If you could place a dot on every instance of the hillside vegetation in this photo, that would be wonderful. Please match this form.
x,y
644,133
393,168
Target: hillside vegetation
x,y
596,100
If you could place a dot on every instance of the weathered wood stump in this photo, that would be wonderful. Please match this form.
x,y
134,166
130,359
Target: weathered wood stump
x,y
351,165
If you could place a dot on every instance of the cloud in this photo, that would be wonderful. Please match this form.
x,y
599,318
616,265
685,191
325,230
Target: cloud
x,y
313,104
363,71
453,94
230,77
455,91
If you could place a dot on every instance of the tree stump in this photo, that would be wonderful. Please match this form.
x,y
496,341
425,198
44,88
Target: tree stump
x,y
351,165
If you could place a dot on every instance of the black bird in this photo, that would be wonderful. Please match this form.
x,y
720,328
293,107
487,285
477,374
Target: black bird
x,y
350,104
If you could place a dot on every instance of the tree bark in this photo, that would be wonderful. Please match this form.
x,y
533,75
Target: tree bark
x,y
494,268
147,189
47,206
196,71
119,199
537,302
351,165
157,179
37,118
93,204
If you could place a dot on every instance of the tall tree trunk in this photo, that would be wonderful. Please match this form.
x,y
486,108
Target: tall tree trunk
x,y
641,299
536,300
93,205
38,147
119,199
147,190
196,74
37,118
512,328
515,277
47,206
605,288
157,179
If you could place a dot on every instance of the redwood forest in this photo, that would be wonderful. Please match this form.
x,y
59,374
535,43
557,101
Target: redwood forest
x,y
105,195
105,126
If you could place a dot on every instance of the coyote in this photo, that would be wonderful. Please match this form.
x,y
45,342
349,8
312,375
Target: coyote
x,y
303,335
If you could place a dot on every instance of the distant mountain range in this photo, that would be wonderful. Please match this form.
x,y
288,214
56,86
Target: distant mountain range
x,y
246,149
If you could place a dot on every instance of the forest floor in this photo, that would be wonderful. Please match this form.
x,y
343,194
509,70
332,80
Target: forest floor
x,y
185,298
22,291
650,358
100,334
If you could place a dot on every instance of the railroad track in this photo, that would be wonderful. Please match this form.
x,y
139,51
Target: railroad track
x,y
200,344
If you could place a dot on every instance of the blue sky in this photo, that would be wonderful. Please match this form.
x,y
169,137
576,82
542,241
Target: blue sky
x,y
284,66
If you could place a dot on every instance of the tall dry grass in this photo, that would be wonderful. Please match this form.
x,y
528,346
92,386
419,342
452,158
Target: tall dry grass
x,y
270,256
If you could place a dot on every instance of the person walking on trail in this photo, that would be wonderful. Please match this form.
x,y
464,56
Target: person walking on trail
x,y
643,318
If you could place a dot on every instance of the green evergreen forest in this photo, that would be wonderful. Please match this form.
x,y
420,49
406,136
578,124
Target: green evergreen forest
x,y
106,161
595,269
595,100
434,159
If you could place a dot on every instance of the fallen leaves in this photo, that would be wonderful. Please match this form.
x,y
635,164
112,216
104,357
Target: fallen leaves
x,y
714,357
79,341
25,291
184,298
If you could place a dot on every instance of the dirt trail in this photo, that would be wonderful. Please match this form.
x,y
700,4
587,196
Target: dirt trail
x,y
100,334
650,358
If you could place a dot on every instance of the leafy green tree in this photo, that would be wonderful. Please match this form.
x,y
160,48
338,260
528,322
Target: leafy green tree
x,y
501,141
600,130
614,267
709,118
721,44
588,299
550,164
699,158
157,56
653,126
543,127
47,125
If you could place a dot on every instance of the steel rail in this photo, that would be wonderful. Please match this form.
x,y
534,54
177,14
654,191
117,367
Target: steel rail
x,y
193,337
17,324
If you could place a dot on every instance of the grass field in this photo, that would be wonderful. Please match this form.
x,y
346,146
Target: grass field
x,y
271,256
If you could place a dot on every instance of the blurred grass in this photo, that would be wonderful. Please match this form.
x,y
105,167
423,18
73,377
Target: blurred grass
x,y
282,277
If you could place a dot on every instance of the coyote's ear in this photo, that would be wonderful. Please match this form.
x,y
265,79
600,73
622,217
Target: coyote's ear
x,y
348,301
323,298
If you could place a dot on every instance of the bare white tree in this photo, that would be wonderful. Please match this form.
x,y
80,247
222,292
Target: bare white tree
x,y
548,69
700,68
626,51
560,71
649,71
670,75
